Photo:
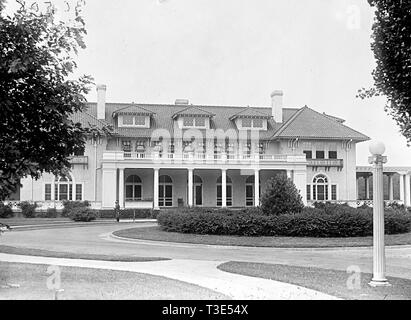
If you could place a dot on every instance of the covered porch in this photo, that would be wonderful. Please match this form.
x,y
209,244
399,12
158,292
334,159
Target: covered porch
x,y
171,188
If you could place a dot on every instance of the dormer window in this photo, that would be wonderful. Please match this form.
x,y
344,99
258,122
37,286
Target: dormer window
x,y
134,121
191,122
247,123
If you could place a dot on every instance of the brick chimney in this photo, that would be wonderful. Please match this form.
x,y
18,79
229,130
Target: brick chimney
x,y
277,105
101,101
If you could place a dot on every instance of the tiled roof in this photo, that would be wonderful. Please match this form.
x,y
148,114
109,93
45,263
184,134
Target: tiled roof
x,y
303,122
133,109
250,113
88,120
193,111
307,123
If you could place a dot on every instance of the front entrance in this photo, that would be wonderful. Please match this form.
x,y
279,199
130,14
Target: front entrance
x,y
198,191
165,192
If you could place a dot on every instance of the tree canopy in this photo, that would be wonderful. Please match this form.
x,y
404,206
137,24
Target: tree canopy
x,y
37,96
391,44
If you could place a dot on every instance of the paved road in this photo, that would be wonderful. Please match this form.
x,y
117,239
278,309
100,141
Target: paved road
x,y
96,240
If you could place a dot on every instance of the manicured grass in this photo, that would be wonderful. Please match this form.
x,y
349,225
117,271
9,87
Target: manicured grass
x,y
331,282
156,234
81,256
95,284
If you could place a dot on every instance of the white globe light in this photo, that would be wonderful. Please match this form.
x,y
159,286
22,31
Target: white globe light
x,y
377,148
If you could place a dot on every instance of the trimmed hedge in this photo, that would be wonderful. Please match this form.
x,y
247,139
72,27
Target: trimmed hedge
x,y
128,214
69,206
6,211
342,221
28,209
83,214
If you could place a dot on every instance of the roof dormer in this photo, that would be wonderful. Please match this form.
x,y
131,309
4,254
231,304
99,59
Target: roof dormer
x,y
193,118
251,119
133,116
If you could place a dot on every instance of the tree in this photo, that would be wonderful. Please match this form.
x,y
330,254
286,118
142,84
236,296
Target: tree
x,y
37,97
281,197
391,44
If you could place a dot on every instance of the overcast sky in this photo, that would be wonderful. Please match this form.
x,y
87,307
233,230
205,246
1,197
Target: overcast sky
x,y
236,52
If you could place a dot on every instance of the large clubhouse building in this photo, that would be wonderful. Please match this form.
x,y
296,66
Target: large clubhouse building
x,y
160,156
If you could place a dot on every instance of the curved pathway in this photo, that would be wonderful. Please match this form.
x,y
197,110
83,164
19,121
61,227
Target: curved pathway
x,y
197,263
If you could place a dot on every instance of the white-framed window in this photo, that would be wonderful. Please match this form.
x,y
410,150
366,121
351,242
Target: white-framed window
x,y
128,120
191,122
188,122
246,123
47,192
253,123
258,123
165,191
134,188
320,188
334,192
79,192
133,120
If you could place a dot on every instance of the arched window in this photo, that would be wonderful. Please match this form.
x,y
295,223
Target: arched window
x,y
229,192
63,188
320,188
134,188
165,191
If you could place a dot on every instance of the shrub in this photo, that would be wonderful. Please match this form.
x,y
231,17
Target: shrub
x,y
6,211
82,214
342,221
70,205
50,213
127,214
28,209
281,197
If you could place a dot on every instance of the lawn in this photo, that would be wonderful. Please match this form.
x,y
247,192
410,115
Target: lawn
x,y
81,256
156,234
95,284
332,282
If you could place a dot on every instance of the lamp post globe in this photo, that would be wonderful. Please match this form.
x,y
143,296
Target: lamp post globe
x,y
377,148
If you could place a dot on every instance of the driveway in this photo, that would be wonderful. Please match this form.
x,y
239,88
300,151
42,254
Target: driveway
x,y
96,239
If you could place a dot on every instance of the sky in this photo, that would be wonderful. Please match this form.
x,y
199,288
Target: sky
x,y
236,52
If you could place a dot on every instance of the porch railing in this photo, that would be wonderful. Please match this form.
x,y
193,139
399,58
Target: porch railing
x,y
191,156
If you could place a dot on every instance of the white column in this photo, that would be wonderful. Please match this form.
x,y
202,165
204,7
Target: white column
x,y
121,199
109,187
257,188
224,188
156,187
407,190
402,193
290,174
391,187
378,222
53,189
190,188
73,192
300,181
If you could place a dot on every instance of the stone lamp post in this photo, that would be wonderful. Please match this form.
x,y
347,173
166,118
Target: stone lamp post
x,y
377,159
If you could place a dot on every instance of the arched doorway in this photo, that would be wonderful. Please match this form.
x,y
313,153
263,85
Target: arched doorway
x,y
229,197
134,188
165,191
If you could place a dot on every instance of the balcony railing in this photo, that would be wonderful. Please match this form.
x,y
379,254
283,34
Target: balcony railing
x,y
201,157
79,160
339,163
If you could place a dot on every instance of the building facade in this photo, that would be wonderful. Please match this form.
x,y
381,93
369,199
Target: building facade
x,y
160,156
